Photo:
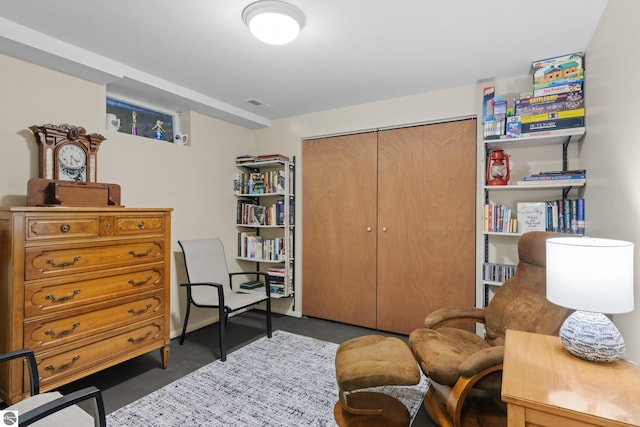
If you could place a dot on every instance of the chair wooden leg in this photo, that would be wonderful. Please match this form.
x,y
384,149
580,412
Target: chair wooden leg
x,y
460,390
186,320
386,411
434,403
344,402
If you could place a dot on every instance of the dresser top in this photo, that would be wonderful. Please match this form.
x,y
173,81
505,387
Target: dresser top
x,y
50,209
540,373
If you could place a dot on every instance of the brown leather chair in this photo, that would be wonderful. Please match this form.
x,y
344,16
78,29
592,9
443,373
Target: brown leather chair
x,y
464,367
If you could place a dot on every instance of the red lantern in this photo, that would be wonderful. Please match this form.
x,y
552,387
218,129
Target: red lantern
x,y
498,170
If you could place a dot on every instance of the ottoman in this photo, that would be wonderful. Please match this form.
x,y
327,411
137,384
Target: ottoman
x,y
372,361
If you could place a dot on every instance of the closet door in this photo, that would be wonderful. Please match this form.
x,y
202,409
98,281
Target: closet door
x,y
339,228
426,222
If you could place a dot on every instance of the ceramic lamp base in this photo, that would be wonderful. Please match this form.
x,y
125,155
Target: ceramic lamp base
x,y
592,336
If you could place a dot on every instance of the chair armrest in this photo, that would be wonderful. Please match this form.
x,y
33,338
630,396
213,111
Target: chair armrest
x,y
444,315
481,360
70,399
265,275
34,380
219,287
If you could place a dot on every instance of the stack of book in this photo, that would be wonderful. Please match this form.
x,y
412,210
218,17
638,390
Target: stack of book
x,y
567,177
268,182
278,281
498,219
245,158
494,272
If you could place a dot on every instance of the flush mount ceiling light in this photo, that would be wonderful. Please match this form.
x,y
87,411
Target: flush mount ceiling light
x,y
273,22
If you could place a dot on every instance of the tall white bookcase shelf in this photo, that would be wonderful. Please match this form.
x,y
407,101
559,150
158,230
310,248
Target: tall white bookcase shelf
x,y
265,221
499,254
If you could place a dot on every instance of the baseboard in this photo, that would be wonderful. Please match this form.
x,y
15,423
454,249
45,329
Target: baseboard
x,y
206,322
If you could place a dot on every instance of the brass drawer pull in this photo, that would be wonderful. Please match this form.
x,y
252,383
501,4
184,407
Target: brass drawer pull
x,y
140,283
52,298
62,333
139,312
65,263
62,367
139,340
65,228
141,225
142,254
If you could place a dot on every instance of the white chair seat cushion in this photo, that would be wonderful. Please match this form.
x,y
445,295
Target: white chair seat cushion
x,y
233,300
73,416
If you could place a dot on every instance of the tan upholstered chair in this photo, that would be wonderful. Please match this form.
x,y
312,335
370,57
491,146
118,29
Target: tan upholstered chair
x,y
458,361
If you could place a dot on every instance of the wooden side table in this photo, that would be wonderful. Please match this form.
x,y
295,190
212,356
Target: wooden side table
x,y
544,385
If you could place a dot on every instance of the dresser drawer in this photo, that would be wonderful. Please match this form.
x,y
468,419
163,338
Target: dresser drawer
x,y
58,330
106,350
49,261
47,228
42,299
136,225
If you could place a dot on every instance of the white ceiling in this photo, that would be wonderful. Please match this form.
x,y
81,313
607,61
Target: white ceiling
x,y
199,55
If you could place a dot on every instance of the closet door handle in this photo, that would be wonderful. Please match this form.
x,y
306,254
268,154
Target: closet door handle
x,y
384,229
369,229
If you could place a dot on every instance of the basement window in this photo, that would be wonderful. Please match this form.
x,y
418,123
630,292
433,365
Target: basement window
x,y
142,121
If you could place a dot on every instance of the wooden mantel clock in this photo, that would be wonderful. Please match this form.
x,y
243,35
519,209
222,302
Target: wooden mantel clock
x,y
68,169
67,153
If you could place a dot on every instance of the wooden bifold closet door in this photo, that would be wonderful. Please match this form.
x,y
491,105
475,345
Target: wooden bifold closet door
x,y
389,225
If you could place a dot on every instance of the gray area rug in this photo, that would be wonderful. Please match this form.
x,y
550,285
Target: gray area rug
x,y
287,380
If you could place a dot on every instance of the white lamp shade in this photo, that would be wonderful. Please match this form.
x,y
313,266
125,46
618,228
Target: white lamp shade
x,y
274,22
590,274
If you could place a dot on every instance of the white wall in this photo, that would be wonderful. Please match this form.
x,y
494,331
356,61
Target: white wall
x,y
195,180
611,150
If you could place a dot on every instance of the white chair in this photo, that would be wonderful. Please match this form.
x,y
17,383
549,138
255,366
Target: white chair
x,y
210,285
53,409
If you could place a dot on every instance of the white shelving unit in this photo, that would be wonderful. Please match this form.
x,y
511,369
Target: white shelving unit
x,y
501,247
269,216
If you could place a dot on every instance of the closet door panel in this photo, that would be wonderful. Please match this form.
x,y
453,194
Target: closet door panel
x,y
426,259
401,228
339,223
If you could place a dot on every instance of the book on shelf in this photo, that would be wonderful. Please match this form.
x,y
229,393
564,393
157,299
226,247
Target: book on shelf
x,y
279,282
567,182
566,215
495,272
499,219
553,175
267,157
245,158
251,183
252,284
532,216
567,177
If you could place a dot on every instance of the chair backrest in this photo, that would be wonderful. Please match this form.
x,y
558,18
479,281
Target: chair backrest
x,y
521,302
205,262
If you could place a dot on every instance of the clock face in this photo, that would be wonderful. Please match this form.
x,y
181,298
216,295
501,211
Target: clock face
x,y
72,163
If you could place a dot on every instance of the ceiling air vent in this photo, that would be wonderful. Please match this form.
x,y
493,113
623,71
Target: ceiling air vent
x,y
258,103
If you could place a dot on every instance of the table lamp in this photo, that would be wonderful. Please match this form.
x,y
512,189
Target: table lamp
x,y
593,276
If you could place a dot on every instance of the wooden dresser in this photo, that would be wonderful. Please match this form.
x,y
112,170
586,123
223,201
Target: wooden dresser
x,y
84,288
